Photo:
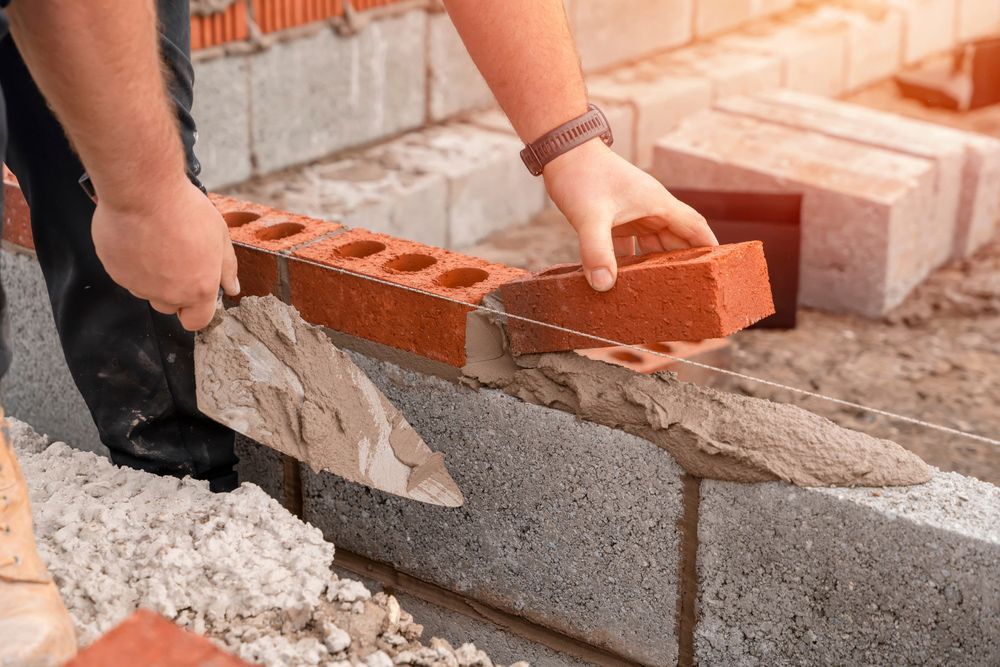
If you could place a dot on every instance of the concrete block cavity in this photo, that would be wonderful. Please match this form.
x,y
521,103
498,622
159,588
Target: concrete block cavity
x,y
330,92
38,388
222,111
901,576
568,524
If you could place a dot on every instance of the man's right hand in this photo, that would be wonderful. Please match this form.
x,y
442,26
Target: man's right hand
x,y
172,249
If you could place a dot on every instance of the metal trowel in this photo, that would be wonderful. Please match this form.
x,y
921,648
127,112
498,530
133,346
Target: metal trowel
x,y
266,373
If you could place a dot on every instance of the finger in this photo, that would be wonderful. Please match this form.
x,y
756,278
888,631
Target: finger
x,y
161,307
197,316
230,278
597,253
671,241
689,224
624,246
649,243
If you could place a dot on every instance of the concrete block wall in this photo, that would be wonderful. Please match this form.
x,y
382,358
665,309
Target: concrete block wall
x,y
609,553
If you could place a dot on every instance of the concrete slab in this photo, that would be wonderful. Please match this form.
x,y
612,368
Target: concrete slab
x,y
849,576
222,111
566,523
39,389
327,92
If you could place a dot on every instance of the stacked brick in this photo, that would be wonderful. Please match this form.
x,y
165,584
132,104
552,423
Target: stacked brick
x,y
229,25
885,200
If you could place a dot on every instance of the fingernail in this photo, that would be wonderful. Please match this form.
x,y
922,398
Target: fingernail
x,y
601,279
236,284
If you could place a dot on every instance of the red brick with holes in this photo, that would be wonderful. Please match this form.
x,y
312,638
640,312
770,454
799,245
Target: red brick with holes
x,y
384,313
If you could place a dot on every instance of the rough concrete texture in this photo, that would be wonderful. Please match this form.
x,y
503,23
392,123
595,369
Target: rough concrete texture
x,y
265,373
38,387
568,524
455,85
712,434
222,111
488,187
864,209
813,52
928,25
328,92
715,16
358,190
730,71
262,466
612,33
863,577
235,567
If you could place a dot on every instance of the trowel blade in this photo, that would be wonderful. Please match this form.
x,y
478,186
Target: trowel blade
x,y
264,372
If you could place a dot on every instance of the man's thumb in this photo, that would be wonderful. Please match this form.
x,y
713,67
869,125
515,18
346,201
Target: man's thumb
x,y
230,280
597,254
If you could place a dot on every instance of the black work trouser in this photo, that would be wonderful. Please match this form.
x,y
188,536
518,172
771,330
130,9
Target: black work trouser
x,y
134,366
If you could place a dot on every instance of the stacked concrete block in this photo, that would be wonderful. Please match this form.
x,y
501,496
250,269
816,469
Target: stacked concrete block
x,y
977,18
568,524
813,52
865,210
612,33
968,164
322,93
715,16
659,99
900,576
222,111
455,85
488,186
874,41
731,71
929,26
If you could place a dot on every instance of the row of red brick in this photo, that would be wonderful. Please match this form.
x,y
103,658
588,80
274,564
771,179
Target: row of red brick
x,y
415,297
232,24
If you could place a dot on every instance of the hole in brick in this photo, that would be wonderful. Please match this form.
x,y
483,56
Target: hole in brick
x,y
462,277
280,231
560,270
411,263
360,249
626,356
239,218
666,348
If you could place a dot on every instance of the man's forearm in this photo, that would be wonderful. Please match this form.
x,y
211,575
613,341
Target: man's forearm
x,y
98,65
525,51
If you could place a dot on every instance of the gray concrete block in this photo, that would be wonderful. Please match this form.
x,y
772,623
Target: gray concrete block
x,y
455,85
262,466
222,111
902,576
38,388
566,523
318,94
612,33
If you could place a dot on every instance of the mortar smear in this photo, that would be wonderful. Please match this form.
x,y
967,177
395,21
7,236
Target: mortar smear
x,y
237,567
712,434
269,375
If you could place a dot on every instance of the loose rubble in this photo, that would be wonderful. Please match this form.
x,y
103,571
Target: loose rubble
x,y
237,568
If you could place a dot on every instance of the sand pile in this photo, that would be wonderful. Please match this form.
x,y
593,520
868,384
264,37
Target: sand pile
x,y
237,567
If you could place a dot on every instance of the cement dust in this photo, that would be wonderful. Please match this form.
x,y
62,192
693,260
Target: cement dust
x,y
235,567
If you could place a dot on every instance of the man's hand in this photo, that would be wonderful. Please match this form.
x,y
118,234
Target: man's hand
x,y
613,204
171,248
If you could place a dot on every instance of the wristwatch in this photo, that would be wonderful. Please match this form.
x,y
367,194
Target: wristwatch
x,y
565,138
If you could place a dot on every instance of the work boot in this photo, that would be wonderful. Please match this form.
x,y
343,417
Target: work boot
x,y
35,628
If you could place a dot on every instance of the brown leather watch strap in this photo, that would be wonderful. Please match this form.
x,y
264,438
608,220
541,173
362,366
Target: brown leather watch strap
x,y
565,138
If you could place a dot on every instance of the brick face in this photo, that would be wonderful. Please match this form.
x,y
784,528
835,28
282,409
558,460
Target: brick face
x,y
16,217
688,294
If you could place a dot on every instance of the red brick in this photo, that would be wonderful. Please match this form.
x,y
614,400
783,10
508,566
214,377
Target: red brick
x,y
16,217
689,294
149,640
648,358
420,323
269,229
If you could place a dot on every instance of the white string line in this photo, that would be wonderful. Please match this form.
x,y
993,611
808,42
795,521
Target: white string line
x,y
636,348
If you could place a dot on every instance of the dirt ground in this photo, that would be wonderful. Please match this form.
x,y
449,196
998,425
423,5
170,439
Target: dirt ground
x,y
936,357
